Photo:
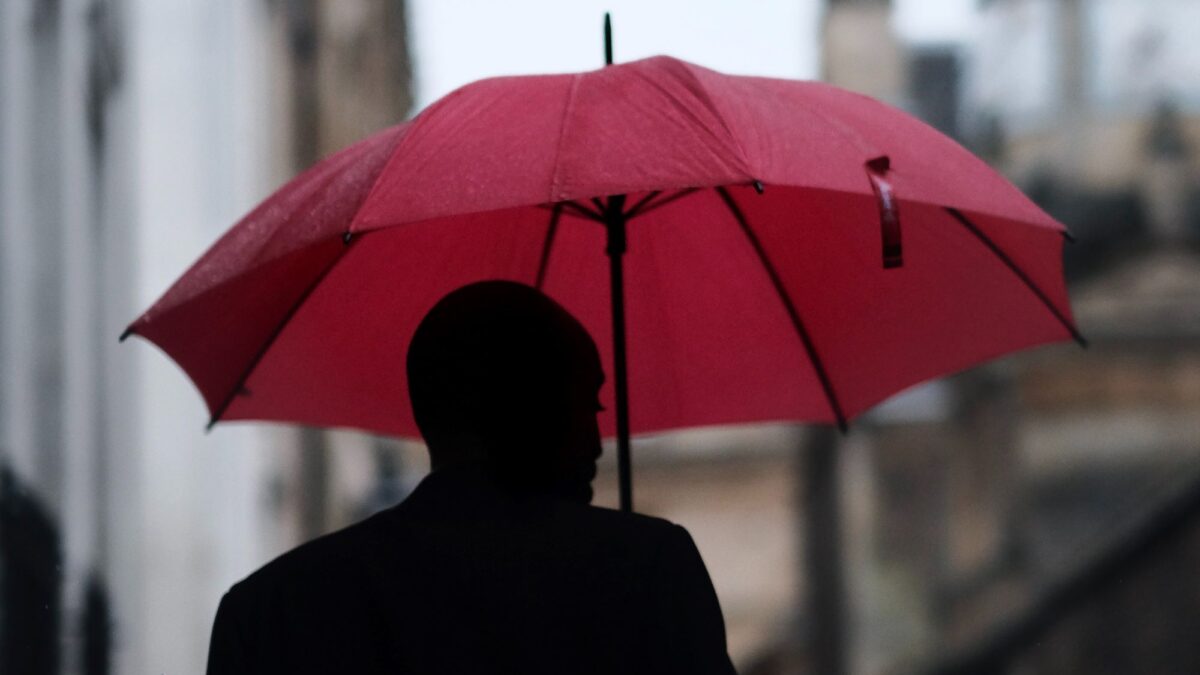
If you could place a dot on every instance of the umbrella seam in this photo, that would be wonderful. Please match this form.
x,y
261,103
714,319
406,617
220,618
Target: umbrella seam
x,y
305,203
846,132
401,137
555,182
316,194
711,104
706,100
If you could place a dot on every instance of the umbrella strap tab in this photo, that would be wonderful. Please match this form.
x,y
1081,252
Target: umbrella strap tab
x,y
889,211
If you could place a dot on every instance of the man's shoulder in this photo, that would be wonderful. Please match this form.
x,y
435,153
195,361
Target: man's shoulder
x,y
616,534
313,560
606,521
337,557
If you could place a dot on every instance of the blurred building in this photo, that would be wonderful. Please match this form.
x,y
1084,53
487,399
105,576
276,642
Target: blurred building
x,y
1052,507
340,72
130,138
1039,514
736,490
861,52
1094,108
132,134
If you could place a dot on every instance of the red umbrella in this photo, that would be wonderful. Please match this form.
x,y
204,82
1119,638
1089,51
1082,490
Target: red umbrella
x,y
792,251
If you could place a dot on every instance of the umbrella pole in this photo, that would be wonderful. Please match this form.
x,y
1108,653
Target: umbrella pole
x,y
614,221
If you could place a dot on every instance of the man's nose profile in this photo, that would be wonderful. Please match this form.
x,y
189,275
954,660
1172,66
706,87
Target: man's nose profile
x,y
497,562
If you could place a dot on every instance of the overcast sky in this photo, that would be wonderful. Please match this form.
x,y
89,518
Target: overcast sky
x,y
457,41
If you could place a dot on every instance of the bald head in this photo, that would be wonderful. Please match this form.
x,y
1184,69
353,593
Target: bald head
x,y
502,377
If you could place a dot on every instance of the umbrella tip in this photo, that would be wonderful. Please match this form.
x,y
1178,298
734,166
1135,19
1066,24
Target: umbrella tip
x,y
608,47
125,335
758,186
211,423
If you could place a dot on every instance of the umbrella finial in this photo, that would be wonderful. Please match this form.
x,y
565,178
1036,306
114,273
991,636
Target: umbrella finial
x,y
608,56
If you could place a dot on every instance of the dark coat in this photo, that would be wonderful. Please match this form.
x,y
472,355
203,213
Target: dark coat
x,y
462,577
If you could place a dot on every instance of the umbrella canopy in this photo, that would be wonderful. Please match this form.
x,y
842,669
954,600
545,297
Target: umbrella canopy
x,y
794,251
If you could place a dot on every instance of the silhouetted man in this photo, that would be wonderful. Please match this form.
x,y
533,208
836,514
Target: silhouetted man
x,y
496,563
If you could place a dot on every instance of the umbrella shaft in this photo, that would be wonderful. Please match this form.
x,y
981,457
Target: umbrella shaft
x,y
614,218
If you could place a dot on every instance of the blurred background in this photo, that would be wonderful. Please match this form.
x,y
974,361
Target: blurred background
x,y
1040,514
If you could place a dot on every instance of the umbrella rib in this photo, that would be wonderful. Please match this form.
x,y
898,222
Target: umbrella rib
x,y
583,211
547,244
348,240
640,210
793,313
640,203
1020,274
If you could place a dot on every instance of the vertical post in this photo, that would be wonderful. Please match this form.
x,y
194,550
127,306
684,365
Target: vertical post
x,y
614,221
306,150
826,595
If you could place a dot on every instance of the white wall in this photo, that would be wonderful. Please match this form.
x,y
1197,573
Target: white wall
x,y
110,437
196,71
